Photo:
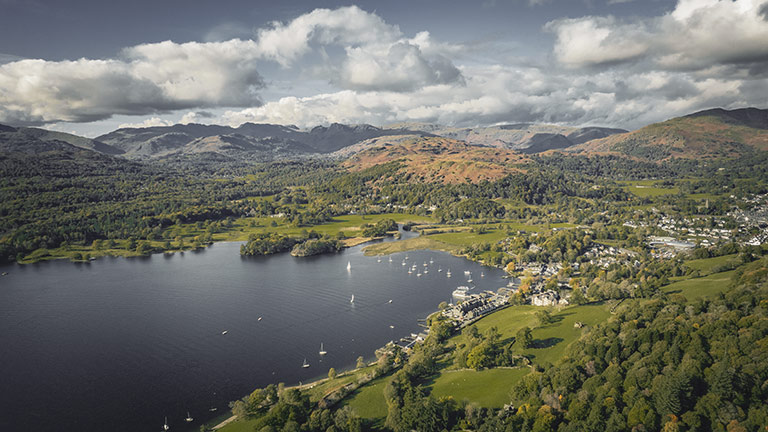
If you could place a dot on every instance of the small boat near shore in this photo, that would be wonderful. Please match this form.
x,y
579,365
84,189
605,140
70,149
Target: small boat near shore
x,y
305,365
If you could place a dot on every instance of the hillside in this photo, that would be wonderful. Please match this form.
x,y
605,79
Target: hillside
x,y
705,135
34,140
435,159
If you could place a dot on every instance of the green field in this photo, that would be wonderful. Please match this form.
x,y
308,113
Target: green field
x,y
416,243
552,339
562,333
239,425
468,238
486,388
465,237
708,286
368,402
648,191
708,265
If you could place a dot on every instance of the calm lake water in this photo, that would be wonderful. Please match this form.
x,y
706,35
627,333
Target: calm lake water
x,y
117,344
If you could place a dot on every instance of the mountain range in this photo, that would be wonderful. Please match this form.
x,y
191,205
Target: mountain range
x,y
705,134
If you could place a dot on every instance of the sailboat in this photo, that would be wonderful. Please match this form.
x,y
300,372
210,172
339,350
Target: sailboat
x,y
352,300
448,273
189,418
378,259
165,425
322,351
390,259
305,365
349,265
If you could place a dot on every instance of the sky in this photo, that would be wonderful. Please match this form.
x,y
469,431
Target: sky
x,y
89,66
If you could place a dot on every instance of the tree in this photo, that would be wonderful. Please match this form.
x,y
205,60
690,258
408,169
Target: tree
x,y
239,408
543,317
525,337
144,247
360,363
331,373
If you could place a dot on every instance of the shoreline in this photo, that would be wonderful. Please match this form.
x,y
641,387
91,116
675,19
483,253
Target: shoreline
x,y
234,235
123,253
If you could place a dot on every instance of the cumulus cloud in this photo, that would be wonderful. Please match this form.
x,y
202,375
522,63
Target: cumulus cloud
x,y
146,79
150,122
346,26
592,41
166,76
196,117
401,66
378,56
696,34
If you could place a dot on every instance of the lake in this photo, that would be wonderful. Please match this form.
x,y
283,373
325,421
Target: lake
x,y
117,344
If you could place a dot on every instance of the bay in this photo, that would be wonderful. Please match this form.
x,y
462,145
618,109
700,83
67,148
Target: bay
x,y
118,344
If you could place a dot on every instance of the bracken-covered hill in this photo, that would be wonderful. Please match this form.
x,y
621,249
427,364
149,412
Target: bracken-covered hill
x,y
436,159
707,134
